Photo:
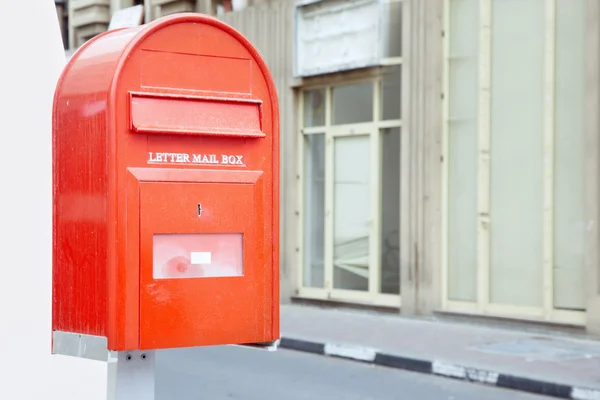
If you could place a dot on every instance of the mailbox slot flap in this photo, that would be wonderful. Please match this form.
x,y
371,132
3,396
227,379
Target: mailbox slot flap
x,y
193,115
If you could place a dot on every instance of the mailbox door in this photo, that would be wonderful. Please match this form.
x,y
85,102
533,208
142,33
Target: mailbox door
x,y
206,274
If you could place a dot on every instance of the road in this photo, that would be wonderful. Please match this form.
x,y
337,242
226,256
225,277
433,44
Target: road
x,y
240,373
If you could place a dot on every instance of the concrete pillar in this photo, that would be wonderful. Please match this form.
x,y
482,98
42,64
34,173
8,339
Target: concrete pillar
x,y
87,18
422,122
70,26
206,7
593,168
148,11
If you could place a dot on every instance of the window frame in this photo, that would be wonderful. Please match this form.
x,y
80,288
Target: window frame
x,y
373,128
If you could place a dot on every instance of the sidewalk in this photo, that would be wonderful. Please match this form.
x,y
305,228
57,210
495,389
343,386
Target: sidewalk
x,y
557,366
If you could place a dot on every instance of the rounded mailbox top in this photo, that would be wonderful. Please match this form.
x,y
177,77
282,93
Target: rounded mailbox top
x,y
188,54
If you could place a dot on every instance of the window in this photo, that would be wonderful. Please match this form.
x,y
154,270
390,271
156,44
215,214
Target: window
x,y
314,209
350,190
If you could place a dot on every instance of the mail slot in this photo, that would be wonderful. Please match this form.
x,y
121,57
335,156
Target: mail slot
x,y
166,189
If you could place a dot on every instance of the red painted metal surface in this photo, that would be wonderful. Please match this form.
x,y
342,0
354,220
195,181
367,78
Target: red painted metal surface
x,y
168,128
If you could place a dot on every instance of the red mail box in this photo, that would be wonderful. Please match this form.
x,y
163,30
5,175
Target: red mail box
x,y
166,189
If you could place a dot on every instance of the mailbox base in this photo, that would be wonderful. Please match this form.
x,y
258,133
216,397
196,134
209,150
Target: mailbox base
x,y
131,375
81,346
95,347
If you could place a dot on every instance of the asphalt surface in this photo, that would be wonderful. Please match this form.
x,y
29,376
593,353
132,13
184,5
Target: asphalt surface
x,y
229,372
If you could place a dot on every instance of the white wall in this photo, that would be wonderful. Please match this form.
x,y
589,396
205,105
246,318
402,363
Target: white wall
x,y
31,65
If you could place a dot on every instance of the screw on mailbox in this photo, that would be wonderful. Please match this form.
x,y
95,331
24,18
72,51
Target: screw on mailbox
x,y
199,209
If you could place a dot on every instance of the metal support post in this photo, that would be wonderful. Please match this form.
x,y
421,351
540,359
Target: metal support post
x,y
131,375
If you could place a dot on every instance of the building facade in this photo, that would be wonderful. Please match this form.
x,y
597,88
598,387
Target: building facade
x,y
438,156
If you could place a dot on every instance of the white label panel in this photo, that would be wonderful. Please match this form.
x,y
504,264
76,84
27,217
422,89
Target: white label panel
x,y
200,257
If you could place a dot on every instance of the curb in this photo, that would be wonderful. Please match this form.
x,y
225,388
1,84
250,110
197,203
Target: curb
x,y
441,368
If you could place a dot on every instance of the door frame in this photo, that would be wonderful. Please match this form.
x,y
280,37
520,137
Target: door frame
x,y
373,128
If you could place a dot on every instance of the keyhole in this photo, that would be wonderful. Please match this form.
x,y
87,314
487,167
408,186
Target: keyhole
x,y
199,209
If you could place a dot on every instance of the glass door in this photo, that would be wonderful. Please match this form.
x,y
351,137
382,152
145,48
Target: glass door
x,y
349,198
350,217
351,212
